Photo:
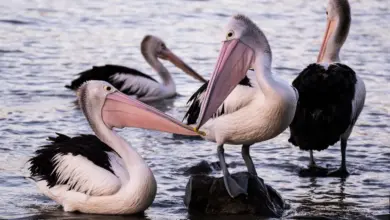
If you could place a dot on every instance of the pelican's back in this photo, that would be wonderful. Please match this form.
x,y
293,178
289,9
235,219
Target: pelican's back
x,y
324,107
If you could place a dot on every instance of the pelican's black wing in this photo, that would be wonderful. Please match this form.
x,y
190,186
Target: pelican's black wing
x,y
324,107
43,164
106,73
196,99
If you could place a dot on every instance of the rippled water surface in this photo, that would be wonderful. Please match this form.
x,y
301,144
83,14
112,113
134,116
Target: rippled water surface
x,y
44,43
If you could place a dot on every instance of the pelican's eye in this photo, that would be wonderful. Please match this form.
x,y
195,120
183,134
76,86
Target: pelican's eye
x,y
163,46
229,35
107,88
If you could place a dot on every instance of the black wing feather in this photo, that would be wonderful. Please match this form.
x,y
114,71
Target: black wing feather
x,y
193,111
324,107
104,73
42,165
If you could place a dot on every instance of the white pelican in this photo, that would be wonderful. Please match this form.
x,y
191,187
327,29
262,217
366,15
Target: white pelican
x,y
331,95
256,110
137,84
100,174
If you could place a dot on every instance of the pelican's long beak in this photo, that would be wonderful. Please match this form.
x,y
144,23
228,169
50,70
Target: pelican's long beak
x,y
119,111
234,61
330,27
169,55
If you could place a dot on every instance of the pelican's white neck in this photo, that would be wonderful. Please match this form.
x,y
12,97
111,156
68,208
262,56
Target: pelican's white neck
x,y
141,188
130,156
165,75
262,66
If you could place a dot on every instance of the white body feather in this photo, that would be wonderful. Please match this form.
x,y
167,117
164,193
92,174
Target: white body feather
x,y
357,105
249,116
84,176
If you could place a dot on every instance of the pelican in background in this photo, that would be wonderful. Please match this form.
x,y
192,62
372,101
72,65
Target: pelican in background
x,y
101,174
247,114
136,84
331,94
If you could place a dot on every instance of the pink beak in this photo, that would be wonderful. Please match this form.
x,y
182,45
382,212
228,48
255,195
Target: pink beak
x,y
234,61
119,111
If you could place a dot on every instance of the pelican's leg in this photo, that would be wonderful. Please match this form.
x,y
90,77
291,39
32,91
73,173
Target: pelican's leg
x,y
248,160
342,171
312,162
313,170
232,187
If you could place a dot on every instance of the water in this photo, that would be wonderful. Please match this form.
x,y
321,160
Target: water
x,y
43,43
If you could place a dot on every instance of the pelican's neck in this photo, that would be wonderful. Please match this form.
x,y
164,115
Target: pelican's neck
x,y
130,157
140,173
337,39
162,71
264,76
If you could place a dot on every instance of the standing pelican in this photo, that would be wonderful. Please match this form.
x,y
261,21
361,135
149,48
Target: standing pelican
x,y
256,110
100,174
331,95
137,84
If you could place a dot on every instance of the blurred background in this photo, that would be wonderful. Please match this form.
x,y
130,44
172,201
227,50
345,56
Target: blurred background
x,y
44,43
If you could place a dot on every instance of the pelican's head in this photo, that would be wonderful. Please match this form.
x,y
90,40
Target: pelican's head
x,y
153,47
338,15
244,44
105,106
241,29
91,98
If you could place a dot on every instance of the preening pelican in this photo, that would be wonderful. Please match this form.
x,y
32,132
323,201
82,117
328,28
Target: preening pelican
x,y
331,94
137,84
101,174
258,109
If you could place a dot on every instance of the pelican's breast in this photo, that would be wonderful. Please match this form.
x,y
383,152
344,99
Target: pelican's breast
x,y
262,119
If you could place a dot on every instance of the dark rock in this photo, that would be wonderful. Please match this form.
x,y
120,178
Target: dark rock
x,y
207,195
204,167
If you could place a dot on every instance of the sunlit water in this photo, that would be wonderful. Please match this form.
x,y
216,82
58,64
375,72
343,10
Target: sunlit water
x,y
44,43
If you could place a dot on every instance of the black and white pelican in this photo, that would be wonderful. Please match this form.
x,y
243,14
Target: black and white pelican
x,y
331,94
237,108
136,84
100,174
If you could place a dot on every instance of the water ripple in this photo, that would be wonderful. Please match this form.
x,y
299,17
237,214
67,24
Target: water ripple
x,y
45,43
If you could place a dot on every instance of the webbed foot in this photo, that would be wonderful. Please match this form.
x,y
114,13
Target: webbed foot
x,y
235,188
313,171
341,172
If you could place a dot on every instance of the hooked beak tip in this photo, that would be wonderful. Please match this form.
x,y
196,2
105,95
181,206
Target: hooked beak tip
x,y
201,133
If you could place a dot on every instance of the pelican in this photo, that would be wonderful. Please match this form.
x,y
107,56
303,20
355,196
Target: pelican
x,y
137,84
100,174
331,94
237,108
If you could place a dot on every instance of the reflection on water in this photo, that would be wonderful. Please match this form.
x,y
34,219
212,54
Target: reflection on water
x,y
44,43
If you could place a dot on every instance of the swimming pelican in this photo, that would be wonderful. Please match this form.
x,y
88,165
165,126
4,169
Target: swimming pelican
x,y
331,94
255,110
137,84
100,174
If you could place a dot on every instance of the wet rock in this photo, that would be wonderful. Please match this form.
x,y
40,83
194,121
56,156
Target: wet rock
x,y
204,167
207,195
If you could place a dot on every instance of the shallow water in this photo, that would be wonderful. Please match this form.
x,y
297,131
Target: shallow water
x,y
44,43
